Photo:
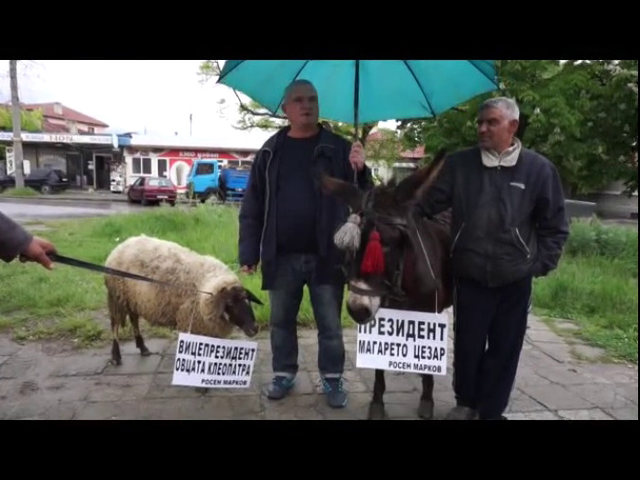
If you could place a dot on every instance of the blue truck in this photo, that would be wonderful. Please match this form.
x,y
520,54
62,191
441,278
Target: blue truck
x,y
203,179
233,184
206,179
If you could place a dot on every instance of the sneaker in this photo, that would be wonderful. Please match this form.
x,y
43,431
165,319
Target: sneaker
x,y
336,396
279,387
501,417
461,413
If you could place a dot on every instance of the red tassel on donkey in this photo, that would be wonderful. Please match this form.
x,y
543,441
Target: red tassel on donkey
x,y
373,259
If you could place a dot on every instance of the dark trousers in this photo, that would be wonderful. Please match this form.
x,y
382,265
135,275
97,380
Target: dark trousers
x,y
489,328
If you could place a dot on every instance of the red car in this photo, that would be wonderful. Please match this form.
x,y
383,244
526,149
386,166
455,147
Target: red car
x,y
152,189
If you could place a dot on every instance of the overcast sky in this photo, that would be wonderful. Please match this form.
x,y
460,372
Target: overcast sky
x,y
156,96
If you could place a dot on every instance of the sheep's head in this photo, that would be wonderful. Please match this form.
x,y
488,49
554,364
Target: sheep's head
x,y
237,307
229,302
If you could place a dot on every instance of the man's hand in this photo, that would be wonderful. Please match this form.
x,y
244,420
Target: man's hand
x,y
37,251
248,269
356,156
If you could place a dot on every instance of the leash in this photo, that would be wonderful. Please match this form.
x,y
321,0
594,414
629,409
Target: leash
x,y
112,271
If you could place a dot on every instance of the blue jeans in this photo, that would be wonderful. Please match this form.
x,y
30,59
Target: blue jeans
x,y
293,272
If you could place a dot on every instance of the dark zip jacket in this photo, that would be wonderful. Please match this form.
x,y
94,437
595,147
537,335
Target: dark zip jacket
x,y
257,239
507,222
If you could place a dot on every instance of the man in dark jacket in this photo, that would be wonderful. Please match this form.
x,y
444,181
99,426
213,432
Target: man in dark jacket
x,y
287,225
508,226
15,240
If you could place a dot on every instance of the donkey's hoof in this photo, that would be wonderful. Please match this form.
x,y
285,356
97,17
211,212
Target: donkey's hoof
x,y
377,412
115,361
145,352
425,409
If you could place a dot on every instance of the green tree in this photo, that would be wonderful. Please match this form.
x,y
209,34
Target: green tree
x,y
30,121
209,69
385,149
582,115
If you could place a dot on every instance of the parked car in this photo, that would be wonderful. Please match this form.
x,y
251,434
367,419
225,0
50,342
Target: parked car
x,y
44,180
6,181
47,180
152,189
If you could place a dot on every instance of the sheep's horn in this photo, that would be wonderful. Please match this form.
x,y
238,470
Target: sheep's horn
x,y
252,297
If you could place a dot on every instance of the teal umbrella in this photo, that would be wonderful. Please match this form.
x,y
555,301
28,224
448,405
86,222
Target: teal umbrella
x,y
365,91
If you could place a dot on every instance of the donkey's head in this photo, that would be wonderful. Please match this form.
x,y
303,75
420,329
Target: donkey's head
x,y
380,238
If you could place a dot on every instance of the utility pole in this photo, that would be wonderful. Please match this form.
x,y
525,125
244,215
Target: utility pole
x,y
15,117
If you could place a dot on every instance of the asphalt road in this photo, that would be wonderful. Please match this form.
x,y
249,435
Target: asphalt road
x,y
29,210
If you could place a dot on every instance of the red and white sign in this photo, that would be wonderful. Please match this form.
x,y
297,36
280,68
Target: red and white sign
x,y
191,154
180,162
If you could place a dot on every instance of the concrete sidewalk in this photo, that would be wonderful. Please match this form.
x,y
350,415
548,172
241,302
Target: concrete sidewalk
x,y
51,380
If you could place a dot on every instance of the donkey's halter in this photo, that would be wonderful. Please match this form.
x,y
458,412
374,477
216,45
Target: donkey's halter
x,y
393,290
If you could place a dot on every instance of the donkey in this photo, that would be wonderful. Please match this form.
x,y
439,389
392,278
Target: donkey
x,y
412,271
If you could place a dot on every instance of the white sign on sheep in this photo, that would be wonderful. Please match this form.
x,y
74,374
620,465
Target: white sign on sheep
x,y
404,340
209,362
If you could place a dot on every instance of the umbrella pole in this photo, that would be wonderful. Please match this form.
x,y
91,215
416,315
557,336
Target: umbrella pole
x,y
356,103
355,139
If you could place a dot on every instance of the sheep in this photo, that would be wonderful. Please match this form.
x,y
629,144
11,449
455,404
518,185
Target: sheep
x,y
180,306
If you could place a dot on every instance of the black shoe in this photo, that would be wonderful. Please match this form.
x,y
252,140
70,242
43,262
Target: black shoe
x,y
461,413
501,417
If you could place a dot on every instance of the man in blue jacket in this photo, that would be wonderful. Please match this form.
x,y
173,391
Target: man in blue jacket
x,y
508,226
287,225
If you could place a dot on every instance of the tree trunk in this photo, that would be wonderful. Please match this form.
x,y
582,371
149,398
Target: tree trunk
x,y
17,134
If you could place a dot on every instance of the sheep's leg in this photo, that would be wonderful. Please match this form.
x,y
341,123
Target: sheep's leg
x,y
144,351
118,316
116,358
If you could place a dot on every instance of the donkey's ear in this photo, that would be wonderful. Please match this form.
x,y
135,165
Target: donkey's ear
x,y
416,183
345,191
